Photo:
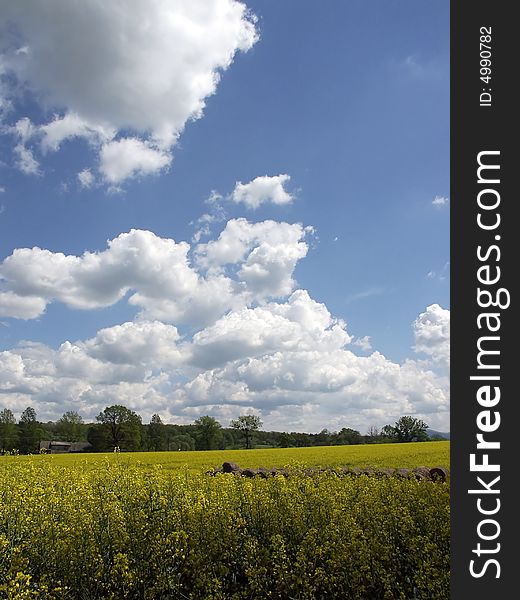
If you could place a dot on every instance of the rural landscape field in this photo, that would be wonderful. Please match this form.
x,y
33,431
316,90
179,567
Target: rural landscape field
x,y
158,525
224,300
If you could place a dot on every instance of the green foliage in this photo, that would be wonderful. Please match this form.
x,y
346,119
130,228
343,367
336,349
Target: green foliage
x,y
30,431
156,434
209,433
70,426
100,439
247,424
182,442
407,429
123,426
129,533
349,436
8,430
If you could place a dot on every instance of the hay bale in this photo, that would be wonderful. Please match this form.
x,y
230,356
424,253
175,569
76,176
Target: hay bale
x,y
439,474
230,467
263,472
404,473
249,472
385,472
422,473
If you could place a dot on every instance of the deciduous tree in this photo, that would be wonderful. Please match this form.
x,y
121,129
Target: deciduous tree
x,y
407,429
156,434
8,431
30,431
208,433
247,424
123,426
70,426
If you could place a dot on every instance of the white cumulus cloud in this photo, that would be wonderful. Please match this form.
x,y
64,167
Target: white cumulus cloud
x,y
262,190
432,334
247,263
254,344
107,70
131,157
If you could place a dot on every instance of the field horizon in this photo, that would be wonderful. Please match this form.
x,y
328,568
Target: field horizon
x,y
395,455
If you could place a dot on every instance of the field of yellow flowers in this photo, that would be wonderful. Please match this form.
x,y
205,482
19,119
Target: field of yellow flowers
x,y
121,531
409,456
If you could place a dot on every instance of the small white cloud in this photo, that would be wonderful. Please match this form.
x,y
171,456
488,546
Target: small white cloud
x,y
85,177
214,198
363,343
432,334
23,129
262,190
440,201
368,293
215,214
131,157
26,161
439,275
71,126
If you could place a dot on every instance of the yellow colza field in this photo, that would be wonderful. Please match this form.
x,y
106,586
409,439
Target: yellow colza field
x,y
158,526
408,455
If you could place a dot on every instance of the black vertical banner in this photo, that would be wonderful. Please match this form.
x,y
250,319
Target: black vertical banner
x,y
484,266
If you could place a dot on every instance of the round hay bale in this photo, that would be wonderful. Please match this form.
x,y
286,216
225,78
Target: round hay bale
x,y
230,467
385,472
439,474
422,473
249,472
404,473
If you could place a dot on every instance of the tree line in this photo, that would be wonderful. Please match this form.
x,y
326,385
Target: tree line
x,y
119,428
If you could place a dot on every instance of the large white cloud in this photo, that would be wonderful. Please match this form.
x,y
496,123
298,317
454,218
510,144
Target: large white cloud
x,y
324,389
109,68
267,348
291,366
248,262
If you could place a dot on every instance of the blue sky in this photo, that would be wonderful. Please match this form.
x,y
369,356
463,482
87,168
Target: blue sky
x,y
350,100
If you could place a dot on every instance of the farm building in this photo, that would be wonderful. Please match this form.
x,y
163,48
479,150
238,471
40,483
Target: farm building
x,y
53,447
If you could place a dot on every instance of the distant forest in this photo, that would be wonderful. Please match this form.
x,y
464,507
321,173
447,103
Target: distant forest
x,y
119,428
